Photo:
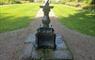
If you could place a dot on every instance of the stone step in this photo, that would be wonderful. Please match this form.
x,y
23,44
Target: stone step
x,y
31,53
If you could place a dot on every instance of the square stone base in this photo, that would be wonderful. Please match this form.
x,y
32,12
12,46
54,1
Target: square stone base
x,y
60,53
45,38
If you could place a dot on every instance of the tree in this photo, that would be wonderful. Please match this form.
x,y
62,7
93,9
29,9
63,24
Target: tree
x,y
93,2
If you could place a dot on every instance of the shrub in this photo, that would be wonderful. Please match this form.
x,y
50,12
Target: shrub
x,y
17,2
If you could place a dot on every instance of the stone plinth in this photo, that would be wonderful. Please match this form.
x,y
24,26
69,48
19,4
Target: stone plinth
x,y
45,38
31,53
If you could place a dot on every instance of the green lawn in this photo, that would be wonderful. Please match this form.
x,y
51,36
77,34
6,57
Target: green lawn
x,y
17,16
79,20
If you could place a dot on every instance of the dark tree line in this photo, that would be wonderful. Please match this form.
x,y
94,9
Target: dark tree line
x,y
93,2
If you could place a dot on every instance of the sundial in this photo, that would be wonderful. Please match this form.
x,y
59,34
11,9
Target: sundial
x,y
45,37
45,44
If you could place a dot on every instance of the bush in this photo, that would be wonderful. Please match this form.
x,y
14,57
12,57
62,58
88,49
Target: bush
x,y
25,1
20,2
89,7
17,2
2,2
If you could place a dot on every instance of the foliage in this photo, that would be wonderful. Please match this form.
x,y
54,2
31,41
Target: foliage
x,y
52,1
14,1
79,20
93,2
75,1
16,16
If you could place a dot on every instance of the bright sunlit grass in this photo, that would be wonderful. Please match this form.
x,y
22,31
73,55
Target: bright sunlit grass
x,y
79,20
17,16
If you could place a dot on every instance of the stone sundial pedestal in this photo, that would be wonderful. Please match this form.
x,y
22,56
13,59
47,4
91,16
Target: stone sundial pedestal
x,y
45,36
45,44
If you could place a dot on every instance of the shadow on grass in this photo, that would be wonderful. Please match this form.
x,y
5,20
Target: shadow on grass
x,y
83,21
9,23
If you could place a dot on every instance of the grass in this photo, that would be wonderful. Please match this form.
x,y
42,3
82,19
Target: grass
x,y
16,16
80,20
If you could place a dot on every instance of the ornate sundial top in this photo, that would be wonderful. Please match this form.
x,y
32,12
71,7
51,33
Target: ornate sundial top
x,y
46,8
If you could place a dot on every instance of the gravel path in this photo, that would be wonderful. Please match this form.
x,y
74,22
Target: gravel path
x,y
82,46
12,43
